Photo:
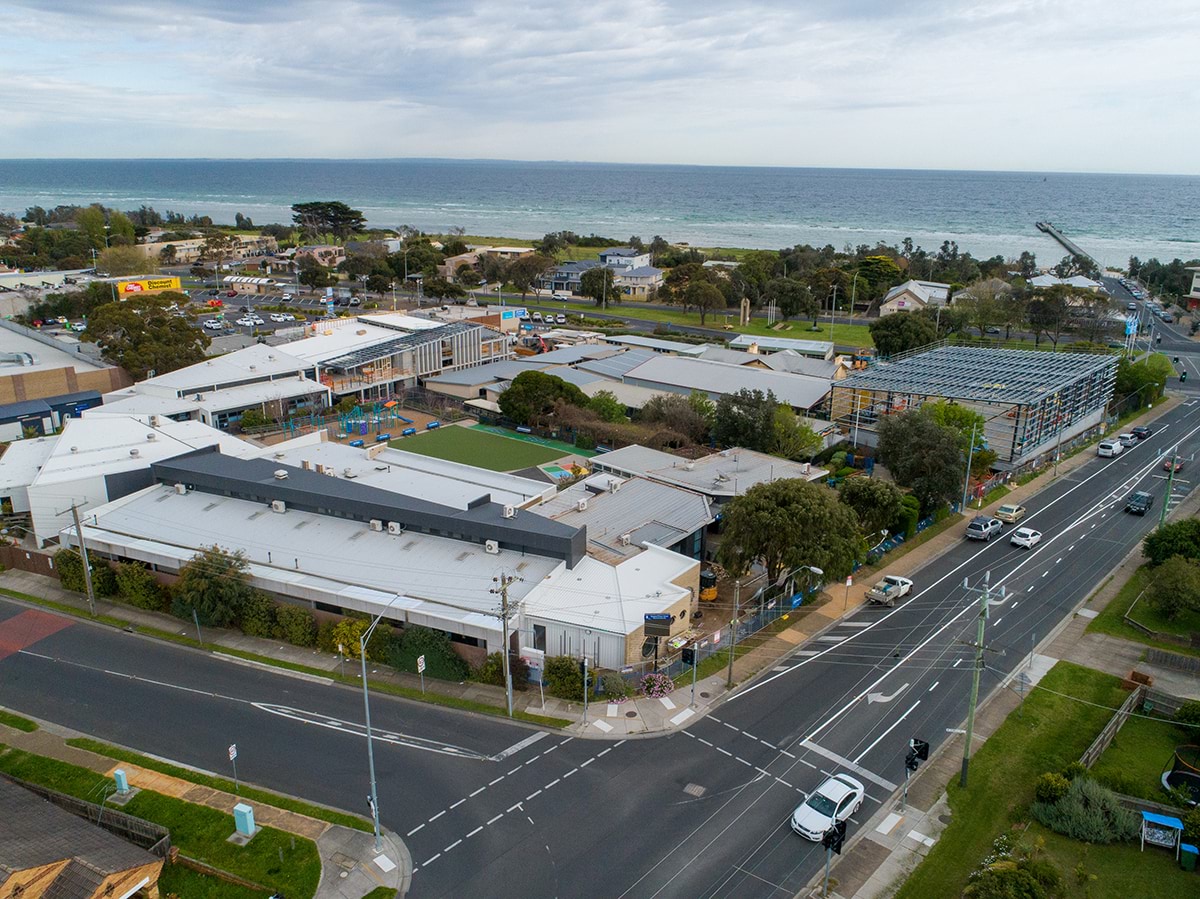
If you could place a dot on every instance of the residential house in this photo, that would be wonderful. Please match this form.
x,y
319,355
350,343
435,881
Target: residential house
x,y
912,296
327,255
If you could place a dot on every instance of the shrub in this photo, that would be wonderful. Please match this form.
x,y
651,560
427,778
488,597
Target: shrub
x,y
295,625
1189,716
843,472
325,640
441,661
908,519
616,688
1050,787
104,580
257,618
656,685
491,671
1088,812
138,587
1074,770
69,566
563,678
1191,826
347,633
838,460
1024,878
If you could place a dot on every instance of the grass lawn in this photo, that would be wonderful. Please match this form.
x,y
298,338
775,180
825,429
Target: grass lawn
x,y
481,448
1135,760
1051,732
16,722
1121,870
1111,619
273,858
181,881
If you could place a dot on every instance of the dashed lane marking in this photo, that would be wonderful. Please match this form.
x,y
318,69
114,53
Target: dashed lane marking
x,y
473,832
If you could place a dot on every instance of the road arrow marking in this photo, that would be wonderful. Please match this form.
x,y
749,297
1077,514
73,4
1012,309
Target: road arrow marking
x,y
881,697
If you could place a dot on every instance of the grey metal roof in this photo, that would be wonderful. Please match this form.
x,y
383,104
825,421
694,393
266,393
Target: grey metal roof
x,y
792,362
656,343
622,251
725,474
617,366
254,479
505,370
716,378
569,355
823,348
397,345
983,375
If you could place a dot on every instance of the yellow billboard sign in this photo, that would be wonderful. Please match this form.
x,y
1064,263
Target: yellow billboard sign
x,y
147,285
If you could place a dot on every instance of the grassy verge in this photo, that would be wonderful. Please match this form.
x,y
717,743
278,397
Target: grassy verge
x,y
1111,619
381,893
180,881
1052,731
16,722
718,661
430,698
1135,760
273,858
220,783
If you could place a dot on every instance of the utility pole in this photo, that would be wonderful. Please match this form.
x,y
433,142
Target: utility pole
x,y
505,581
87,569
967,476
985,599
737,608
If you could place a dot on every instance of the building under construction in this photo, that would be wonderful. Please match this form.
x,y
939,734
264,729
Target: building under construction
x,y
1031,400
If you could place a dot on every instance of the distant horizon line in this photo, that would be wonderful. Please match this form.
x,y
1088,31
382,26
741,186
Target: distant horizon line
x,y
588,163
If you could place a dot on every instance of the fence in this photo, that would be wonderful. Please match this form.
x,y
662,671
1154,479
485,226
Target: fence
x,y
1115,723
1193,640
1174,660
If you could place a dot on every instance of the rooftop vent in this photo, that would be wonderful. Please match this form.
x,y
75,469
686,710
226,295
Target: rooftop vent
x,y
348,473
152,436
306,465
280,474
181,489
134,451
280,455
376,524
74,449
624,539
361,332
690,466
253,368
395,527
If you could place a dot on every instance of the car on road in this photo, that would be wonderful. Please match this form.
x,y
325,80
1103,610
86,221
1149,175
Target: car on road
x,y
1167,318
1026,537
1108,448
1010,513
1139,502
833,801
993,330
1141,432
891,588
1173,463
212,324
559,297
1132,307
984,528
1127,440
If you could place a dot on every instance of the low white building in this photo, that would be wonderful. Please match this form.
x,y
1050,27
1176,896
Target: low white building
x,y
912,296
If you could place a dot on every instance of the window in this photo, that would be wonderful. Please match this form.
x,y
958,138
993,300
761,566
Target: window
x,y
539,637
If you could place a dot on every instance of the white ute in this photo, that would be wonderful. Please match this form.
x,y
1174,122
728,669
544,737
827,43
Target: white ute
x,y
890,589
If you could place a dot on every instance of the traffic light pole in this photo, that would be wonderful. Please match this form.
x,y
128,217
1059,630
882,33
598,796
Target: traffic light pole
x,y
1162,515
694,661
828,861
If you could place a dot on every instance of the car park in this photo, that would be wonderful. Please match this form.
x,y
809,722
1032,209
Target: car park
x,y
1010,513
246,322
1108,448
1127,440
1026,537
1139,502
282,317
984,528
1141,432
834,801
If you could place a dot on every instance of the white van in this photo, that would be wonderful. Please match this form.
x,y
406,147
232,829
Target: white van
x,y
1109,448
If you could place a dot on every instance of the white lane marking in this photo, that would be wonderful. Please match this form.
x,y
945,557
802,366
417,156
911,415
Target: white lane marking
x,y
750,735
738,758
605,752
833,638
704,741
1071,547
724,751
452,845
473,832
517,747
495,819
1059,559
438,815
957,662
585,764
1030,589
996,623
511,809
569,773
846,763
477,792
457,804
552,783
414,830
533,794
1044,573
857,623
894,725
432,860
788,754
492,783
934,687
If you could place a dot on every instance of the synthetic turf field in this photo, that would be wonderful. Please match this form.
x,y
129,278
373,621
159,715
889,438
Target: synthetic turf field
x,y
480,448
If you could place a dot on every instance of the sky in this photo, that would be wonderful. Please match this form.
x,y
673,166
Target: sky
x,y
1075,85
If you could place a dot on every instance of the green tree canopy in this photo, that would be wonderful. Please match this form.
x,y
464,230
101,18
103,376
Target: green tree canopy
x,y
704,296
215,584
122,261
524,271
1175,588
788,523
902,331
877,503
1147,379
328,217
599,284
745,418
141,335
793,297
1048,314
793,437
676,413
532,396
1179,538
606,405
923,456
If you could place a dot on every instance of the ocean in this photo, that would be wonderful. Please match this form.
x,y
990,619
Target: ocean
x,y
1112,217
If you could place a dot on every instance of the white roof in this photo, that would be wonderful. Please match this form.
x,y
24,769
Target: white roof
x,y
611,598
400,321
630,395
248,395
129,402
436,480
22,460
728,473
257,362
655,343
330,339
39,356
716,378
89,447
821,348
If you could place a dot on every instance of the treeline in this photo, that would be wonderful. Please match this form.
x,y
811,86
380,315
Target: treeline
x,y
1164,278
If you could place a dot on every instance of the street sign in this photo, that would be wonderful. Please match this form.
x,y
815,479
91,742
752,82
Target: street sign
x,y
420,664
849,581
232,751
658,624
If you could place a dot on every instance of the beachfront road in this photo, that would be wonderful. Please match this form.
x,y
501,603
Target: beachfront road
x,y
489,808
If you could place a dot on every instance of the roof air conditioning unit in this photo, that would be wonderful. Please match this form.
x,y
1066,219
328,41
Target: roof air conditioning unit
x,y
348,473
614,484
581,506
492,547
624,539
281,474
278,505
153,421
395,527
329,471
134,451
280,455
306,465
376,524
510,511
181,489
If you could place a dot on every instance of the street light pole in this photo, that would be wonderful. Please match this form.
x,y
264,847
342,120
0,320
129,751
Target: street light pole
x,y
737,608
985,598
970,458
374,797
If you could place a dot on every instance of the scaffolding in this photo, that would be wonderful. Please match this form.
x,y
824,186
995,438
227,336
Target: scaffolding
x,y
1030,399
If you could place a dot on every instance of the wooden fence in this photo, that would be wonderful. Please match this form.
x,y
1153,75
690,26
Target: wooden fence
x,y
1106,736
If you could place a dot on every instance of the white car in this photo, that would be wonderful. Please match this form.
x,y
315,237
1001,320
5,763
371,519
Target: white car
x,y
1026,537
835,800
282,317
247,322
212,324
560,319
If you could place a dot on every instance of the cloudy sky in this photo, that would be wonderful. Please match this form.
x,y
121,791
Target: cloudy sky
x,y
1075,85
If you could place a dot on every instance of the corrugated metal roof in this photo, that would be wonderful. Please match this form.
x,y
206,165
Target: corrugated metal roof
x,y
728,473
821,348
799,391
505,370
656,343
617,366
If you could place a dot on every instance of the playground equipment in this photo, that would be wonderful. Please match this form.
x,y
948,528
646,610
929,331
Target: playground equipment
x,y
357,443
380,438
1184,772
432,425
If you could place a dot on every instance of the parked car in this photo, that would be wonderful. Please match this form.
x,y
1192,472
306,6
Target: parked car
x,y
282,317
212,324
1167,318
835,800
1026,537
890,589
231,293
560,319
560,297
1109,448
537,316
247,322
1010,513
1127,440
286,298
1141,432
1139,503
984,528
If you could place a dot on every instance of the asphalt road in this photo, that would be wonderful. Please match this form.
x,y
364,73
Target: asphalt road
x,y
702,813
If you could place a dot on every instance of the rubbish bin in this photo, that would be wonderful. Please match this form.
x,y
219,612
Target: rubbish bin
x,y
1187,857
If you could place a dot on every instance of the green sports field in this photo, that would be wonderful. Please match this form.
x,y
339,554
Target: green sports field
x,y
480,448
